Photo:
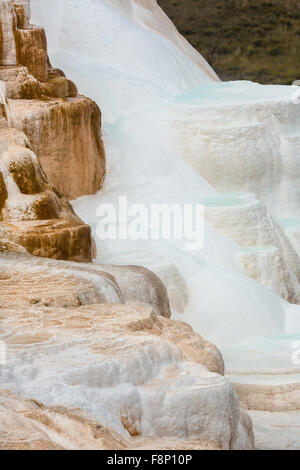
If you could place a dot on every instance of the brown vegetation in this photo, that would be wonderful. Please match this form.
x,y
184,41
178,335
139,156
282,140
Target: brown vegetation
x,y
255,40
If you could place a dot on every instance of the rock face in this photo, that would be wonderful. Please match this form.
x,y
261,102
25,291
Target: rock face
x,y
30,425
251,160
238,138
140,284
113,283
62,133
8,52
66,137
32,212
137,377
272,397
63,127
103,366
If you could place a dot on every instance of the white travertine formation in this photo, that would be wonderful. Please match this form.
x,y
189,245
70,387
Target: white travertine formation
x,y
238,137
32,212
134,372
278,431
248,222
115,284
241,136
64,131
175,135
265,264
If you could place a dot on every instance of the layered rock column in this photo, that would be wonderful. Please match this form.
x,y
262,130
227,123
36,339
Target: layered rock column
x,y
66,137
63,127
43,121
32,212
64,131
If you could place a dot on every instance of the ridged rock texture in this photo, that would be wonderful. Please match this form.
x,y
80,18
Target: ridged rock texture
x,y
63,127
184,137
114,284
32,213
138,378
102,364
43,121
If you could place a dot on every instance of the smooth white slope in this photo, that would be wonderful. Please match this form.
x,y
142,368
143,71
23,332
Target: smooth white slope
x,y
132,55
135,66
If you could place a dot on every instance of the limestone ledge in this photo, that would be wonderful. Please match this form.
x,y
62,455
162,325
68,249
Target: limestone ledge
x,y
65,135
32,212
140,379
31,280
128,376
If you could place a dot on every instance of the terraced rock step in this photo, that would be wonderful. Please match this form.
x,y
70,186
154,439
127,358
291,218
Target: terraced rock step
x,y
65,131
277,430
30,425
277,392
123,362
66,137
32,213
113,284
66,327
120,364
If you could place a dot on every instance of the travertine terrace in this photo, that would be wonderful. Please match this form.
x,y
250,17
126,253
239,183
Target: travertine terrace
x,y
114,350
102,332
141,374
43,122
33,214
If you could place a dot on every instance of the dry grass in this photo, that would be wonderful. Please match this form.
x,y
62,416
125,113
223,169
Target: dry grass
x,y
256,40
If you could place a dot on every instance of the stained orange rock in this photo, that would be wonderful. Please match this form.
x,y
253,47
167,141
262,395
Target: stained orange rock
x,y
27,176
46,128
57,238
33,213
66,137
64,128
31,50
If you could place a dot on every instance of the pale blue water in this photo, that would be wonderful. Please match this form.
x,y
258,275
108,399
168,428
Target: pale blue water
x,y
235,92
